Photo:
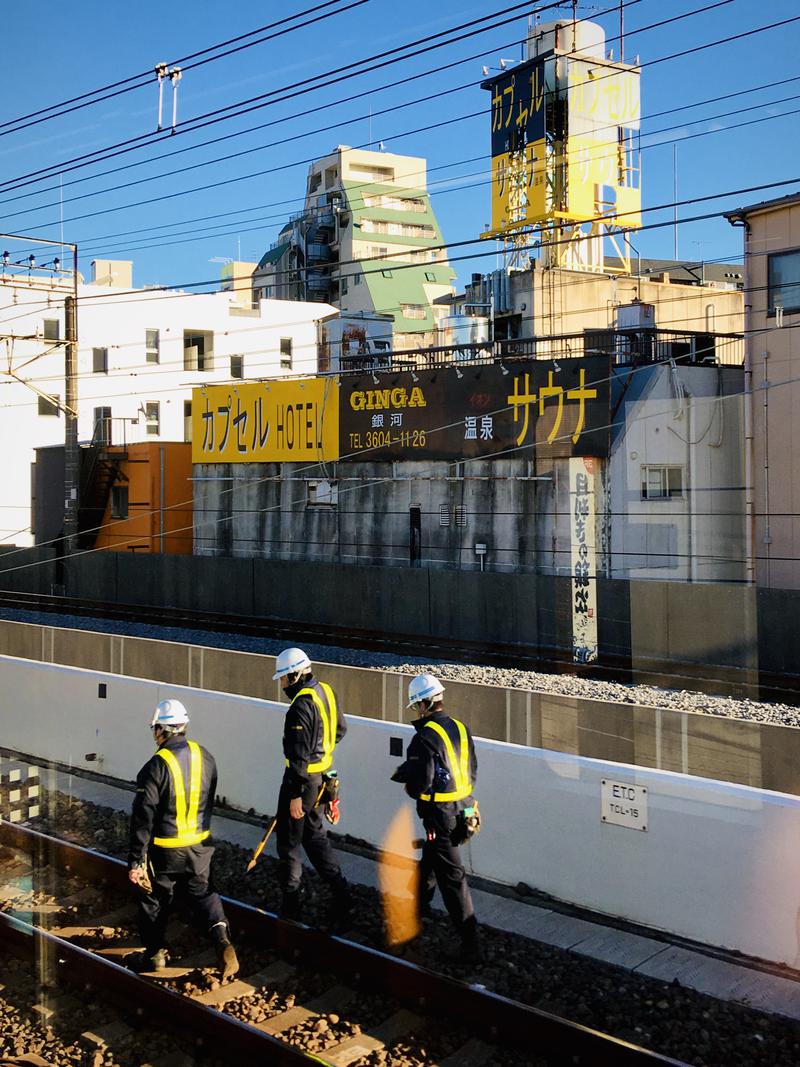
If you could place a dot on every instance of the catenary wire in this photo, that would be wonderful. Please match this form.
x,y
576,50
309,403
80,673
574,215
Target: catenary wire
x,y
366,93
147,75
371,483
300,88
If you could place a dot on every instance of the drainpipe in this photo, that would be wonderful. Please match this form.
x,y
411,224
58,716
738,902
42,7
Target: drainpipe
x,y
692,538
749,517
161,536
767,534
749,437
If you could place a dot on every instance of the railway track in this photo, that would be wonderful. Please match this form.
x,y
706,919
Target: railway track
x,y
301,997
288,629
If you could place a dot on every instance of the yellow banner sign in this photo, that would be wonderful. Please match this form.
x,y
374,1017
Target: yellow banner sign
x,y
519,188
266,422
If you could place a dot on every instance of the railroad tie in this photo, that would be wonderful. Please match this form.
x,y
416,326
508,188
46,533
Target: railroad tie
x,y
275,974
172,1059
401,1024
104,1036
475,1053
333,999
54,1008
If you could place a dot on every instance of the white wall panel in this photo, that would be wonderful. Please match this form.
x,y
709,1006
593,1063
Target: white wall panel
x,y
719,863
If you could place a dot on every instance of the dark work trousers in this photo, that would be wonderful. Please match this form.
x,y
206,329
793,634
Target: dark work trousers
x,y
308,833
441,865
177,871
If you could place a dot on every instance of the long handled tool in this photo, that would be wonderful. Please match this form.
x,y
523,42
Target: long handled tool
x,y
263,842
261,845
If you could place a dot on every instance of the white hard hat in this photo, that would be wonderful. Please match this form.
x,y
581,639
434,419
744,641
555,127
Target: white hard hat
x,y
424,687
170,712
291,661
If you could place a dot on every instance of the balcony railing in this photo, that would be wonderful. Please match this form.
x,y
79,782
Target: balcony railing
x,y
625,347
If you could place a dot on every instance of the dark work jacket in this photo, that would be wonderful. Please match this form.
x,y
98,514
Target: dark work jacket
x,y
302,734
427,768
153,812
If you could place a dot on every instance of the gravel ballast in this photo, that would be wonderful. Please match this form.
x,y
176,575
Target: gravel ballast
x,y
667,1017
513,678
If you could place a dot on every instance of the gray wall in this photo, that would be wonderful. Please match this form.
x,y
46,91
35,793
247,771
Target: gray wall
x,y
665,631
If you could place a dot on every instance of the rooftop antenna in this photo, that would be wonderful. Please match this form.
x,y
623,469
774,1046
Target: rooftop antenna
x,y
161,74
622,31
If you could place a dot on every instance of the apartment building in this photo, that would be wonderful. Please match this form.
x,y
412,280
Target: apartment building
x,y
140,353
367,240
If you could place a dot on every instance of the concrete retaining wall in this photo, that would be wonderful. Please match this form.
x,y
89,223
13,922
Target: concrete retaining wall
x,y
718,863
754,754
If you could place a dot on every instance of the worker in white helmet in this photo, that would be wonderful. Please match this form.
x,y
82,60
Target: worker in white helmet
x,y
170,840
313,727
439,772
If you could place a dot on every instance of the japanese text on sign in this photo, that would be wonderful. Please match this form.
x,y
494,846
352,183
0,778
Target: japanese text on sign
x,y
480,411
584,560
262,422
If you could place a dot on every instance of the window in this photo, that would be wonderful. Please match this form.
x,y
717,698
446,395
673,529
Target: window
x,y
100,360
51,330
784,282
198,350
152,416
662,483
286,352
48,405
119,502
460,515
356,279
365,172
237,366
152,345
430,276
344,286
102,426
444,515
386,273
187,420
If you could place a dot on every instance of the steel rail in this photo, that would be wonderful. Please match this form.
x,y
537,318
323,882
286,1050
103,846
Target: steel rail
x,y
616,666
500,1017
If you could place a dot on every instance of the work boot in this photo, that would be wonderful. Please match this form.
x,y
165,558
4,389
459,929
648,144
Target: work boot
x,y
227,959
144,962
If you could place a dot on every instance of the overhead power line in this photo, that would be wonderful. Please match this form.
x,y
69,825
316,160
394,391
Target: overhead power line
x,y
397,136
369,483
292,90
140,81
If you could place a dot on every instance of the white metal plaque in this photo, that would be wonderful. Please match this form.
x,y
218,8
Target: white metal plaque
x,y
623,804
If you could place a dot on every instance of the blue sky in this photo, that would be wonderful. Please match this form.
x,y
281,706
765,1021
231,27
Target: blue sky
x,y
91,44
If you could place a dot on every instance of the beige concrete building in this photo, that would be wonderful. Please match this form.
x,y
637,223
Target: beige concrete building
x,y
772,387
544,302
367,241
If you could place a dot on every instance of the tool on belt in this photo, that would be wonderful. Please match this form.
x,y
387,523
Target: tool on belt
x,y
330,797
468,824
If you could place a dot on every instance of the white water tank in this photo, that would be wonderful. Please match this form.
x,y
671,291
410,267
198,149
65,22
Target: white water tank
x,y
585,38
